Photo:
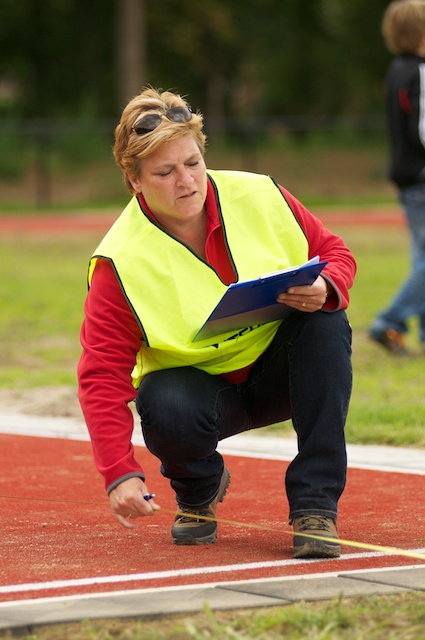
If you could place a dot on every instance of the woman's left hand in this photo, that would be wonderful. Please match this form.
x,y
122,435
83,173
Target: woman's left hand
x,y
308,298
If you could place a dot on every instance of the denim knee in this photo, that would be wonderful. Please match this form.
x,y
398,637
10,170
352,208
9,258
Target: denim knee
x,y
177,413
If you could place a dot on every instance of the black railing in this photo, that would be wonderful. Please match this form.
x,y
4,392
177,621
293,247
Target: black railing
x,y
40,147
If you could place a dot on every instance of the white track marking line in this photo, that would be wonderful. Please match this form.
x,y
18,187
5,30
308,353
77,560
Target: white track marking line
x,y
202,585
377,460
176,573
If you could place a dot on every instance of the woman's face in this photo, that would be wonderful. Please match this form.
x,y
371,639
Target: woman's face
x,y
173,181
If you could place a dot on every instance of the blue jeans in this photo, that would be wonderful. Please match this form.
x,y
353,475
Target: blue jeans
x,y
409,301
305,374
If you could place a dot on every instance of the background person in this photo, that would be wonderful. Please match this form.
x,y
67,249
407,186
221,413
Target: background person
x,y
403,28
163,266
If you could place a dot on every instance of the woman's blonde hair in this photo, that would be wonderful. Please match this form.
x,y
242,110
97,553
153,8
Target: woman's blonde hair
x,y
403,26
130,148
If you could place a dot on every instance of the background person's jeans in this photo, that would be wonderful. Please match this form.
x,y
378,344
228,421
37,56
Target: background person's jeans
x,y
305,375
409,301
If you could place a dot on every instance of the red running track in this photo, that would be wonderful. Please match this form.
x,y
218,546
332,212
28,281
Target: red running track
x,y
59,537
90,223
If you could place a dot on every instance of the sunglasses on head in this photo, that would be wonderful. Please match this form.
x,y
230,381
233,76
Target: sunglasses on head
x,y
146,124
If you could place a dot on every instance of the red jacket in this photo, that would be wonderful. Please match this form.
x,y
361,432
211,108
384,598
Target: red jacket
x,y
111,338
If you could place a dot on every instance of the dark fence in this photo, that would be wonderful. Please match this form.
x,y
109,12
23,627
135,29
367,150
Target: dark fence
x,y
33,153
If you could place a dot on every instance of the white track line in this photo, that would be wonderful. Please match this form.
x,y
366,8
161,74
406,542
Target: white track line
x,y
177,573
379,458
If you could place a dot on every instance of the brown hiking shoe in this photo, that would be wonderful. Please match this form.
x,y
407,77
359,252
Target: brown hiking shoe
x,y
391,340
320,526
193,528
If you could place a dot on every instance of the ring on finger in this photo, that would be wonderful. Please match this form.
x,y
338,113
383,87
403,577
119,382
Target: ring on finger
x,y
304,304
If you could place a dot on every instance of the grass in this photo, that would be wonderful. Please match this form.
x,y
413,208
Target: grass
x,y
387,405
42,291
374,618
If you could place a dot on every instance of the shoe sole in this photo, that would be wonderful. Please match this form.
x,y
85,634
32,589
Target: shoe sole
x,y
222,490
317,549
187,538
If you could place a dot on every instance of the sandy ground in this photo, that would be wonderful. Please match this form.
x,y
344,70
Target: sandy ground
x,y
43,401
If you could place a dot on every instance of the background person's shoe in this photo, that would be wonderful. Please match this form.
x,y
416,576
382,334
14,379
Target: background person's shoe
x,y
193,528
391,340
305,547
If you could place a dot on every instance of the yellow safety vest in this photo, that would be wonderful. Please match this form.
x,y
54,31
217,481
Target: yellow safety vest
x,y
172,291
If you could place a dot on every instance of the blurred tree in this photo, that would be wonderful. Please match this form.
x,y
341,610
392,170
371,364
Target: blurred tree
x,y
59,55
193,49
240,58
130,48
315,57
367,57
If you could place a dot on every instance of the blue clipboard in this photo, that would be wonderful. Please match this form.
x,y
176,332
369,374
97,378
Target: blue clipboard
x,y
253,302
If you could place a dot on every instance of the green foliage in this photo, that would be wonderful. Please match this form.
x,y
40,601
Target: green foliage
x,y
57,57
234,57
15,156
74,167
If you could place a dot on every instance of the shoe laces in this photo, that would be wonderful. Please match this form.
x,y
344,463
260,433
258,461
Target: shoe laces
x,y
318,523
201,513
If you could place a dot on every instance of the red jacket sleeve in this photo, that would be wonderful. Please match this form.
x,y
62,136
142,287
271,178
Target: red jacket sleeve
x,y
341,267
111,338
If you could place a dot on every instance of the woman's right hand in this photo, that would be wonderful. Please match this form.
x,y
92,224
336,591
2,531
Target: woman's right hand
x,y
127,502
